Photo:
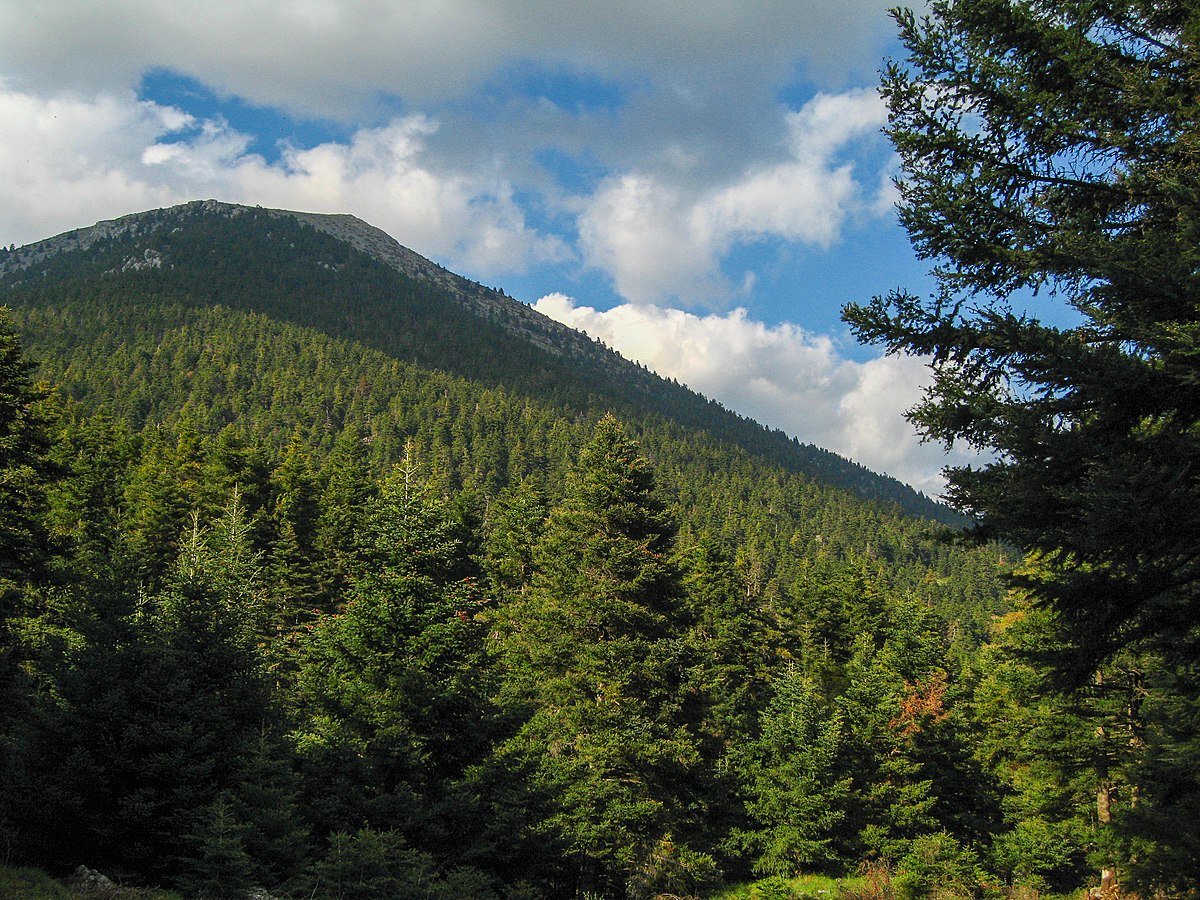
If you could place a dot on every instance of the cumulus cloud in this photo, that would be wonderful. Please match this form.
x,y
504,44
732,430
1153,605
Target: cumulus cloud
x,y
697,98
68,162
781,375
660,242
71,161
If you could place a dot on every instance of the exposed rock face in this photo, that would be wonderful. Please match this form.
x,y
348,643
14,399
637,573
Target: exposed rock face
x,y
89,881
83,238
150,259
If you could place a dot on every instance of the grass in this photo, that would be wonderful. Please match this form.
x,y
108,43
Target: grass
x,y
30,883
821,887
18,883
803,887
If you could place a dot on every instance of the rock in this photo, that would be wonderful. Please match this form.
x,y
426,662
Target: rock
x,y
85,879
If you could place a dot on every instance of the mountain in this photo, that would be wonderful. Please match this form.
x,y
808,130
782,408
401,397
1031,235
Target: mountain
x,y
329,572
352,281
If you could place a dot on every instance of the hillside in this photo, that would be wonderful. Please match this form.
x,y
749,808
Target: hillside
x,y
349,280
322,577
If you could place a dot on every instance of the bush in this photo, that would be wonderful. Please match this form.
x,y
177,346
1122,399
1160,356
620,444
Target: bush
x,y
371,864
774,888
675,870
937,867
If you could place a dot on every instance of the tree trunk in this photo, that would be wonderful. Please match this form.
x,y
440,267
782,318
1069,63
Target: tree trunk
x,y
1104,801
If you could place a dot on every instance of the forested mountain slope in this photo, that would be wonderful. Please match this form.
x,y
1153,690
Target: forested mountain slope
x,y
325,579
210,316
338,275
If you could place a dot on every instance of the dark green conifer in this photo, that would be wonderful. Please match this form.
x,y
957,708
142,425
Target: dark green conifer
x,y
594,649
26,551
1049,164
797,792
512,528
25,470
295,564
393,684
348,487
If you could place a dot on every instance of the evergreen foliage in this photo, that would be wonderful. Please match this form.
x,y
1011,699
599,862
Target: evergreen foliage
x,y
590,649
394,684
1012,182
25,469
1048,148
322,621
797,793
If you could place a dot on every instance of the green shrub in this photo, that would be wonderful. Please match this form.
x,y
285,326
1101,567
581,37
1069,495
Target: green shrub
x,y
371,864
938,867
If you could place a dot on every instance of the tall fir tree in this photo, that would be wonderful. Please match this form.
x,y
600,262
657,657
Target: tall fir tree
x,y
797,793
1048,149
594,650
348,486
25,468
294,567
394,686
26,549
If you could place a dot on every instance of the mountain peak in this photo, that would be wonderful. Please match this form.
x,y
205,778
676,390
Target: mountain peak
x,y
514,316
344,227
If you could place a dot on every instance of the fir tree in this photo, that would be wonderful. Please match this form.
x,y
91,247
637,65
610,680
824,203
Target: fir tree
x,y
26,549
394,685
590,649
25,470
1048,148
796,793
513,526
294,567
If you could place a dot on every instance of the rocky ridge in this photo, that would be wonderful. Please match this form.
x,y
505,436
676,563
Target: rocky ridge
x,y
512,315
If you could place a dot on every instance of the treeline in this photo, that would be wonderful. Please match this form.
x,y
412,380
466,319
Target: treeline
x,y
230,664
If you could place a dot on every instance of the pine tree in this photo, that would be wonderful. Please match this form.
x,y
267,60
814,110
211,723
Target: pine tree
x,y
797,796
591,650
394,685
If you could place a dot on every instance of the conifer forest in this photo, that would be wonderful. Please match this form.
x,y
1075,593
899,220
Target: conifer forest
x,y
325,572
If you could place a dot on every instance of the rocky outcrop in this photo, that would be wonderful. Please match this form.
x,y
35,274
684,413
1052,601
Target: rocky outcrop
x,y
88,881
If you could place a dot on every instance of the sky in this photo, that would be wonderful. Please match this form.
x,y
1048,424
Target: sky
x,y
701,185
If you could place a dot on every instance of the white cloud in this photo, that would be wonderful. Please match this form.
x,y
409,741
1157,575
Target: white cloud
x,y
660,242
697,98
780,375
71,161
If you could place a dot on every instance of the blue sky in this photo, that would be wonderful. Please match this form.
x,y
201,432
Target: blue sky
x,y
702,185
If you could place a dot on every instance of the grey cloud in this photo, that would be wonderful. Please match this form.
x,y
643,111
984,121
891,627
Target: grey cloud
x,y
324,57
